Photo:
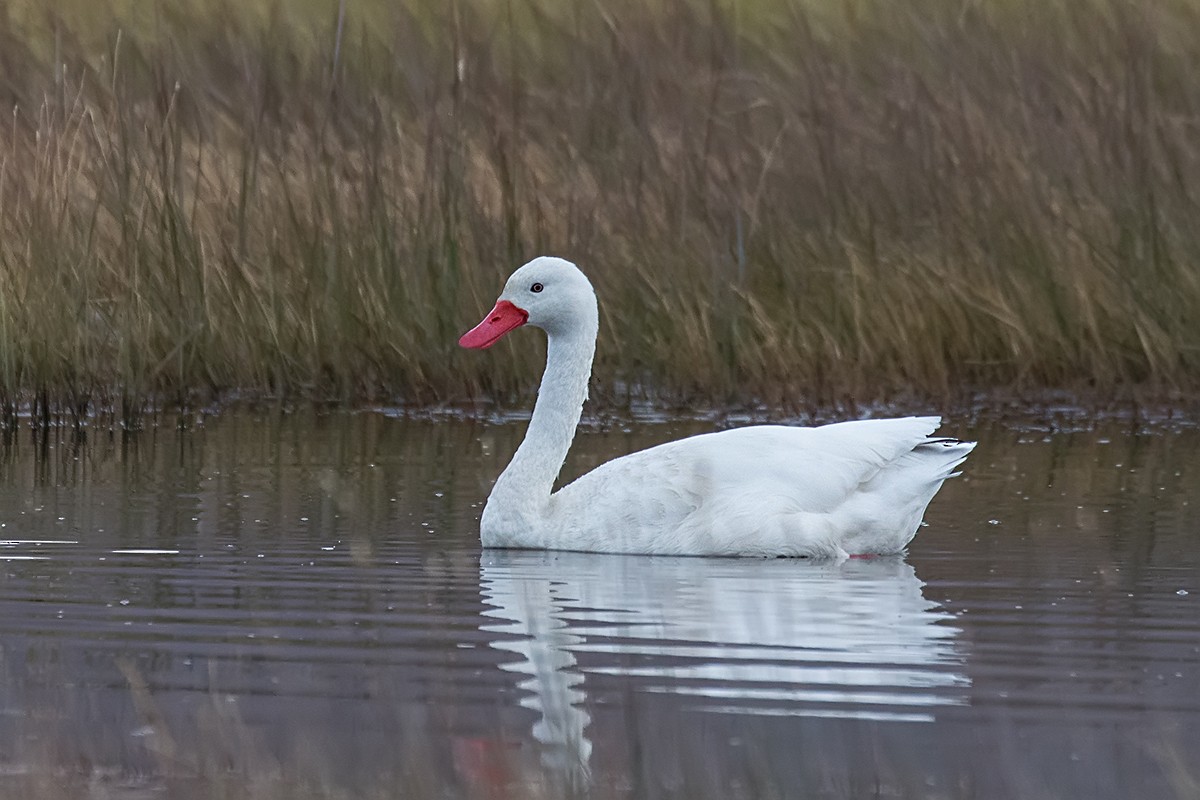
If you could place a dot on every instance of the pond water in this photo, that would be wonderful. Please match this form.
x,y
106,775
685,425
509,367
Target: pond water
x,y
297,606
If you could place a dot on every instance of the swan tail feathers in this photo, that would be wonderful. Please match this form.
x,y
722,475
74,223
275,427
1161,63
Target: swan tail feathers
x,y
949,453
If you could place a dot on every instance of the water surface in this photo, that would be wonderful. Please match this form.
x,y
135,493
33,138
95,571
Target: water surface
x,y
298,606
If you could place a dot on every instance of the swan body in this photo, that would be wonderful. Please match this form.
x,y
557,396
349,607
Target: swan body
x,y
850,488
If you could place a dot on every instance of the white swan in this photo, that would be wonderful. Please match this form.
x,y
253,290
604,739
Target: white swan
x,y
852,488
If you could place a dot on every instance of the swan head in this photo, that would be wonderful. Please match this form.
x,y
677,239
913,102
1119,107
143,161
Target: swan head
x,y
548,293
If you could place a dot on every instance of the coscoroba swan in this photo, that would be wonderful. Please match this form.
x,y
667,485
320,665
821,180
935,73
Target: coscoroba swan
x,y
851,488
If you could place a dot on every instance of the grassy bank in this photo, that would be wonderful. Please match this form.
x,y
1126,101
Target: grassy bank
x,y
813,199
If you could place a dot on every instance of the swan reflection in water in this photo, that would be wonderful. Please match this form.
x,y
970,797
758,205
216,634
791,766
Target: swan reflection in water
x,y
852,639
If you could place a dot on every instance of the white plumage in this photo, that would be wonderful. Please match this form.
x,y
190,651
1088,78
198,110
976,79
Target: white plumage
x,y
852,488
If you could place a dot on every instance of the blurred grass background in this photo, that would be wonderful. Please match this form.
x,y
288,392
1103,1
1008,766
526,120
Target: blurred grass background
x,y
788,201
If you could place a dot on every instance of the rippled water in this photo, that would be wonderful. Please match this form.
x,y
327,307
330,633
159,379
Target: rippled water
x,y
298,606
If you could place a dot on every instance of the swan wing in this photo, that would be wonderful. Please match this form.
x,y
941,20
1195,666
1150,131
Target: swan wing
x,y
720,491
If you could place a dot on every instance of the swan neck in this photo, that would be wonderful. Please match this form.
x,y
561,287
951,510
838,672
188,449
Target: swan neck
x,y
530,476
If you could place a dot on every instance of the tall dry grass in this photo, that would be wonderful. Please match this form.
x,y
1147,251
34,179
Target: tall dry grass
x,y
786,200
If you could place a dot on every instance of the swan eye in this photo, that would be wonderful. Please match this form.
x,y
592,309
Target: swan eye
x,y
537,287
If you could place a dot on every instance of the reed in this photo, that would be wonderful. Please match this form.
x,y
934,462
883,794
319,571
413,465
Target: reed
x,y
789,201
